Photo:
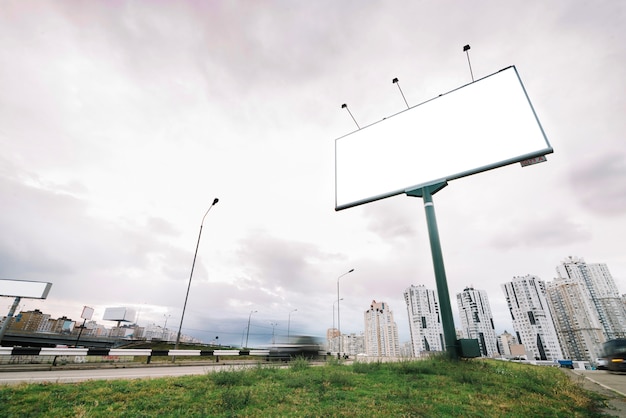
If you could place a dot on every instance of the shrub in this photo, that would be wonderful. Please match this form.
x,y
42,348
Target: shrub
x,y
299,363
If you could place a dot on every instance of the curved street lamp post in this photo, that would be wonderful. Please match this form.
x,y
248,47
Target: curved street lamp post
x,y
248,331
289,325
182,316
338,315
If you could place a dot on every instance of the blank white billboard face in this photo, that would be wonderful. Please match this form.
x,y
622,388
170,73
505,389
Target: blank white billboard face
x,y
24,289
483,125
119,314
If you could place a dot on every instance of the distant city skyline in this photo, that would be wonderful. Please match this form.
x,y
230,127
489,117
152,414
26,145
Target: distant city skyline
x,y
261,333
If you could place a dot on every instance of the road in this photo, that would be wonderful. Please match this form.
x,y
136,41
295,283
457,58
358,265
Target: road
x,y
612,381
611,385
81,375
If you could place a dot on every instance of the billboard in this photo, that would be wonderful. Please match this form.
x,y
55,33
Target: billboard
x,y
24,289
87,313
483,125
119,314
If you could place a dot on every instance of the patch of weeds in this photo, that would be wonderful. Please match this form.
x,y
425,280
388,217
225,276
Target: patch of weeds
x,y
364,367
235,398
299,364
332,361
339,378
262,371
229,377
298,380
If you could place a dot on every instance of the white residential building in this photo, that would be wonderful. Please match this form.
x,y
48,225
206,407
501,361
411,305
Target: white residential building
x,y
531,316
603,291
477,320
381,332
575,318
425,326
505,341
353,344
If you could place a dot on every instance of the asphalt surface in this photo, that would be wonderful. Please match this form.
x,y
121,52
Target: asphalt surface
x,y
610,385
46,373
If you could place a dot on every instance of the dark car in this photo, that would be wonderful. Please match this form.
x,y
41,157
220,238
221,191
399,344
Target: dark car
x,y
294,347
615,354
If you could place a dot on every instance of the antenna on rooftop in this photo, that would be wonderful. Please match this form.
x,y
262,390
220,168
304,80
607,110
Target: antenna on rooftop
x,y
466,49
396,81
345,106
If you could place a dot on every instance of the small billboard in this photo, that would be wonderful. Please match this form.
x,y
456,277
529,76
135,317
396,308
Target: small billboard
x,y
24,288
87,313
120,314
483,125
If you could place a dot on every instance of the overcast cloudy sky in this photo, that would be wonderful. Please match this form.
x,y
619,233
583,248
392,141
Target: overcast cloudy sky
x,y
121,121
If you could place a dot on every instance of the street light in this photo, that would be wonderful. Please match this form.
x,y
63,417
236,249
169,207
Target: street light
x,y
180,327
332,340
338,315
334,314
248,332
289,325
273,324
165,327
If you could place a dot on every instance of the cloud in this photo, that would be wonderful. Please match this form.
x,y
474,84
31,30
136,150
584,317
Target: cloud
x,y
281,266
391,221
545,231
598,183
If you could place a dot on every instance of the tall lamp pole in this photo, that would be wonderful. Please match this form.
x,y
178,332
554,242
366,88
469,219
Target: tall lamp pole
x,y
164,333
334,314
331,342
338,316
182,316
289,325
248,332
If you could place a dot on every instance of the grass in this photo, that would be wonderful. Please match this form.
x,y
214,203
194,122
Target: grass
x,y
428,388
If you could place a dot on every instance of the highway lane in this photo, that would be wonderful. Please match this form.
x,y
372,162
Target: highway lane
x,y
611,385
82,375
612,381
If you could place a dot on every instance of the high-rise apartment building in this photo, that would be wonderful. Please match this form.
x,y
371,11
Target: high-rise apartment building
x,y
531,316
477,320
31,321
332,340
505,341
575,318
425,326
381,331
603,292
352,344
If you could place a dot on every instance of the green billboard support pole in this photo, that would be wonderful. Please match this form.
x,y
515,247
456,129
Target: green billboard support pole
x,y
447,320
7,319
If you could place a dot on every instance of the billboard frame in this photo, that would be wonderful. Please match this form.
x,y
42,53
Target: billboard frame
x,y
456,174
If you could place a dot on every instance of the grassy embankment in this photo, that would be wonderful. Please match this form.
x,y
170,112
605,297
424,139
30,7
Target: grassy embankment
x,y
430,388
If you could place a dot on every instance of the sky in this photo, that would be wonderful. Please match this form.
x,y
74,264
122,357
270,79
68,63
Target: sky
x,y
121,121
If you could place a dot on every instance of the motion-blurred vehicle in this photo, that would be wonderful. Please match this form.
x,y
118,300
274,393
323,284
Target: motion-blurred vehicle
x,y
601,363
615,354
295,346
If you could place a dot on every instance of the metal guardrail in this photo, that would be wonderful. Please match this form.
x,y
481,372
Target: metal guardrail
x,y
43,351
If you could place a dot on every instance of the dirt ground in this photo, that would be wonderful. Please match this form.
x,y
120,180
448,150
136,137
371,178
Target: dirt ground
x,y
616,403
